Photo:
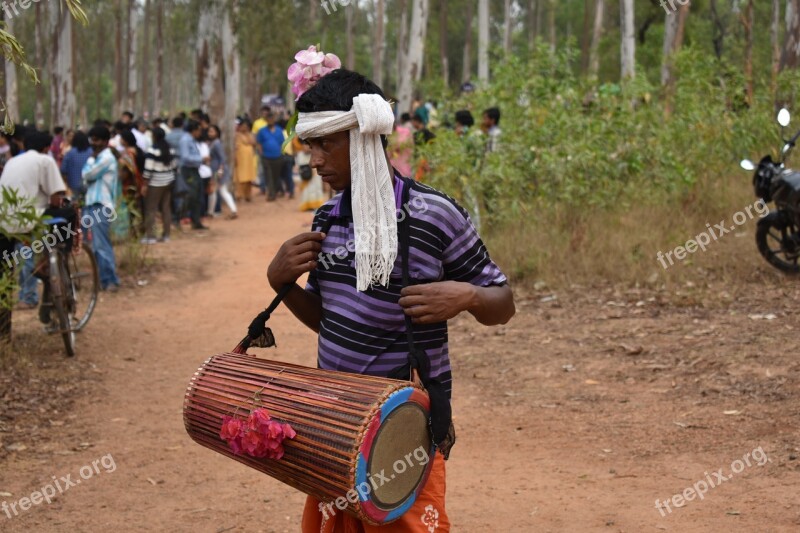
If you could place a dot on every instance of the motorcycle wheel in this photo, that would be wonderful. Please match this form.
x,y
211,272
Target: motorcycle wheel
x,y
778,242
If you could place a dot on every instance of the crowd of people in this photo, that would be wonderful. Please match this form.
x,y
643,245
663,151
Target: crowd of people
x,y
158,175
418,128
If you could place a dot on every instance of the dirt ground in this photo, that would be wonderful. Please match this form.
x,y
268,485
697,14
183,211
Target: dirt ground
x,y
577,416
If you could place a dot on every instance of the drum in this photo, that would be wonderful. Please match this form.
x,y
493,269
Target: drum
x,y
362,443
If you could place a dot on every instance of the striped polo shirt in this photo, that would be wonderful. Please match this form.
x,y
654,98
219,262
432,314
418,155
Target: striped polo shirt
x,y
364,332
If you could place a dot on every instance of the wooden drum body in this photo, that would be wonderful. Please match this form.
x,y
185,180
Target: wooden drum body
x,y
363,444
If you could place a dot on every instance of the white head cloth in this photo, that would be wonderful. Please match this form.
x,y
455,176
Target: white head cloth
x,y
373,201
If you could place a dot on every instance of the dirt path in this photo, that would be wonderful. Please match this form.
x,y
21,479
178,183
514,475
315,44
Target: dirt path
x,y
574,417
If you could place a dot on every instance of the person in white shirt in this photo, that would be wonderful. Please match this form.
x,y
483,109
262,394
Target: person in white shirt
x,y
36,179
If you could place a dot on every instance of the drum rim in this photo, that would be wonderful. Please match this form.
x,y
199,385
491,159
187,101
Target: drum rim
x,y
367,509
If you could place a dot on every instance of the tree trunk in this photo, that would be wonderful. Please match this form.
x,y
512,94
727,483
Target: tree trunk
x,y
416,53
99,67
62,82
466,69
380,43
532,7
507,27
209,60
443,42
483,40
158,95
791,48
551,24
350,17
628,41
12,92
670,31
145,62
119,93
719,30
41,57
230,53
673,41
597,34
133,81
748,19
402,45
313,12
586,36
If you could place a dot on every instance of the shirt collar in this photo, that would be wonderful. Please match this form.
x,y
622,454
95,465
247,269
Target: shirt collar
x,y
344,207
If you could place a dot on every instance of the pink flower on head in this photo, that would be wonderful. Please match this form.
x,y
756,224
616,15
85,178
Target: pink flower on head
x,y
331,61
310,56
310,67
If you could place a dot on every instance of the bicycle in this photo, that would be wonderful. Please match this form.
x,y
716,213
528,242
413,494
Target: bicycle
x,y
74,281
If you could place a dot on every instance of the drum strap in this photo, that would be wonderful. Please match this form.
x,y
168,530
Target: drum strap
x,y
419,364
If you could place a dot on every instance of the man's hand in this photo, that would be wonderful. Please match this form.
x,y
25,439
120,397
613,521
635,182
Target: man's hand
x,y
296,257
437,302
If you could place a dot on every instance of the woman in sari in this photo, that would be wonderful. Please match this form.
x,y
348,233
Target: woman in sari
x,y
244,172
131,160
312,193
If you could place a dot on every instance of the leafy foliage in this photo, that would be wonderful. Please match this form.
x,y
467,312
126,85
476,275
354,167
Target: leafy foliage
x,y
571,151
18,220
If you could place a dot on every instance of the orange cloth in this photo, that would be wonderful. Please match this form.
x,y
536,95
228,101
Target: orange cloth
x,y
427,515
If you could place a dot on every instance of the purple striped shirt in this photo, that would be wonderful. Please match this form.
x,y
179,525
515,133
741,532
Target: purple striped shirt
x,y
364,332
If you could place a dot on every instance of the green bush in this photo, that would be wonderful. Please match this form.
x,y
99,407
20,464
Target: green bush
x,y
573,154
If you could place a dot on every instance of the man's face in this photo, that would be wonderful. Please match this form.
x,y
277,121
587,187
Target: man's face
x,y
265,113
330,155
98,145
487,123
197,133
271,119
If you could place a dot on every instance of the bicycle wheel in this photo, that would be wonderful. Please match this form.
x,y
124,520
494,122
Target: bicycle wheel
x,y
84,286
58,288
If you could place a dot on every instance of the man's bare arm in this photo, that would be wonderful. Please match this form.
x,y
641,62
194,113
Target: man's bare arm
x,y
437,302
305,305
296,257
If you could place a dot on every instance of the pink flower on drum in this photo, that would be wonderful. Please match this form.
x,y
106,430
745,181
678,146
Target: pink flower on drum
x,y
431,518
259,436
231,428
258,419
311,65
288,432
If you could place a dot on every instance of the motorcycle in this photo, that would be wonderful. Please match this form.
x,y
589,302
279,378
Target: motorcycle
x,y
778,233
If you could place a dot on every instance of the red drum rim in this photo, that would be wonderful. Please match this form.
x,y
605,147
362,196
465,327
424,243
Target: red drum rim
x,y
375,473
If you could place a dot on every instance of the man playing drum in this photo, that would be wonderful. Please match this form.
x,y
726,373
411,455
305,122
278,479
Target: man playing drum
x,y
355,297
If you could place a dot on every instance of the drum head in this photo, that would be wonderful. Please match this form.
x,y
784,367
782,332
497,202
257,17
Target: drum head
x,y
400,455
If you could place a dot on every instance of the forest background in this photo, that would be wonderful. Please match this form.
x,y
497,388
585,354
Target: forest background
x,y
623,120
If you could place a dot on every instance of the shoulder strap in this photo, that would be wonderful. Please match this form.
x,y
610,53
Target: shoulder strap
x,y
405,251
